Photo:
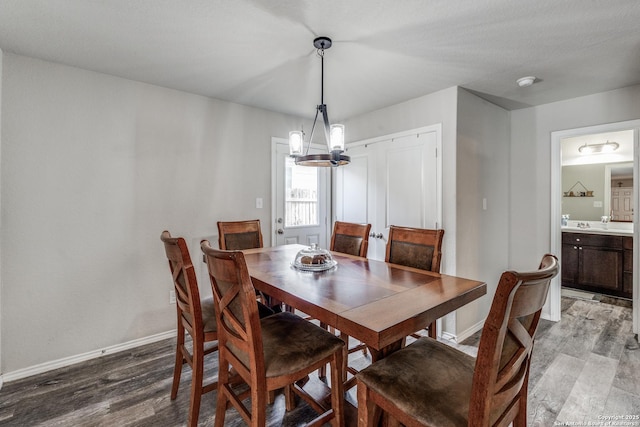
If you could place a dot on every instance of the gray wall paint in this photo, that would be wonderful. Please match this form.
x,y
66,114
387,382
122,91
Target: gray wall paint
x,y
93,168
1,225
483,173
530,177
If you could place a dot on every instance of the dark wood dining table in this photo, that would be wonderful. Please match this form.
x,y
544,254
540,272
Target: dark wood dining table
x,y
373,301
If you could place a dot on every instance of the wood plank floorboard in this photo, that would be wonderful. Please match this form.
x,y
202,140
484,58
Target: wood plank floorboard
x,y
585,367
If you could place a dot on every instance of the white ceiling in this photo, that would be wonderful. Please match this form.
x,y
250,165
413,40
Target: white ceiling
x,y
260,52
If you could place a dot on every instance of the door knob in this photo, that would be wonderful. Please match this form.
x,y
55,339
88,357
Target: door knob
x,y
379,236
372,234
280,231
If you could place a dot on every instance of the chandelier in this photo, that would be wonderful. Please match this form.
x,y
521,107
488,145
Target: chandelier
x,y
334,134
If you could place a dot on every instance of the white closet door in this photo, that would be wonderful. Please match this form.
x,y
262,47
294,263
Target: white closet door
x,y
390,182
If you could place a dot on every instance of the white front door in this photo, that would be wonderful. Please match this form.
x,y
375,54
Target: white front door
x,y
391,181
300,200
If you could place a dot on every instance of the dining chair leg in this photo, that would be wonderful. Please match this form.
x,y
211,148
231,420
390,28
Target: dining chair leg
x,y
433,330
177,368
196,383
259,406
366,407
222,400
322,371
337,390
289,398
345,355
521,418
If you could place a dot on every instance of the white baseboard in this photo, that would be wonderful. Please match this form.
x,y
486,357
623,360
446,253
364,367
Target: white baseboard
x,y
66,361
464,334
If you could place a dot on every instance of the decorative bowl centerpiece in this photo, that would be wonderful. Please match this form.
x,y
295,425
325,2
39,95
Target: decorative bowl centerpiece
x,y
314,259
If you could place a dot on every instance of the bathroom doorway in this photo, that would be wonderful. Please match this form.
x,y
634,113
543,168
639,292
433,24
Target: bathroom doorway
x,y
581,188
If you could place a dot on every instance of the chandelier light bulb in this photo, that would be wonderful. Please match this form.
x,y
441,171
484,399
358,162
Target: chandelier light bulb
x,y
337,138
295,143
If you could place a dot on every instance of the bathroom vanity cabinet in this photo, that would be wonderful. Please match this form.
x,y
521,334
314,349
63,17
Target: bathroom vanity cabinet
x,y
598,263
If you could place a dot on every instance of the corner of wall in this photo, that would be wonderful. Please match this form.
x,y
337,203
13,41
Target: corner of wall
x,y
1,228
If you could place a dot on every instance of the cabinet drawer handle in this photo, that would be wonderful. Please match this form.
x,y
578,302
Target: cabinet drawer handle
x,y
580,248
575,247
577,240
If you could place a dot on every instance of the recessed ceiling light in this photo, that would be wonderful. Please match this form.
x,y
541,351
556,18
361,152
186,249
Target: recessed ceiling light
x,y
526,81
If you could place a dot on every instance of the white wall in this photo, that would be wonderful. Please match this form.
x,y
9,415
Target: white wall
x,y
93,168
530,200
1,56
482,181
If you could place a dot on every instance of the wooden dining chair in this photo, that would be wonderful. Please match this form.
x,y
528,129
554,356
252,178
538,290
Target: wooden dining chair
x,y
239,235
196,317
453,388
350,238
269,353
419,248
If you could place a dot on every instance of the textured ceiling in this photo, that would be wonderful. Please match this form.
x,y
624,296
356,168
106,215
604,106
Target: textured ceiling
x,y
260,53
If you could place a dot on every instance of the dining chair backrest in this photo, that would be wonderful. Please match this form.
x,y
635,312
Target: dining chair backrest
x,y
350,238
185,282
415,247
239,235
501,371
239,336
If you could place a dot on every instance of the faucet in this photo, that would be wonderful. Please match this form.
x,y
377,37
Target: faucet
x,y
583,225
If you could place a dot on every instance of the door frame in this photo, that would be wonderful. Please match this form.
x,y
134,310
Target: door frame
x,y
275,141
554,309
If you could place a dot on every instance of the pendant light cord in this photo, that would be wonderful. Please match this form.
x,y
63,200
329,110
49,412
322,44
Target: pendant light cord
x,y
321,54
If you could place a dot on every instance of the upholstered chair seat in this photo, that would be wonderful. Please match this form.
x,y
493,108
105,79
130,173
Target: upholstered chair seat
x,y
290,344
429,380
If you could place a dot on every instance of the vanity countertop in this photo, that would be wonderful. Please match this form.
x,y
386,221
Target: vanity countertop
x,y
598,230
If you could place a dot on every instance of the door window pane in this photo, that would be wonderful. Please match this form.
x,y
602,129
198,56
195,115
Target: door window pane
x,y
301,195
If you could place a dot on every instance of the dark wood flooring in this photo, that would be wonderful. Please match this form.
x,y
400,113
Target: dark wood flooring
x,y
585,368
